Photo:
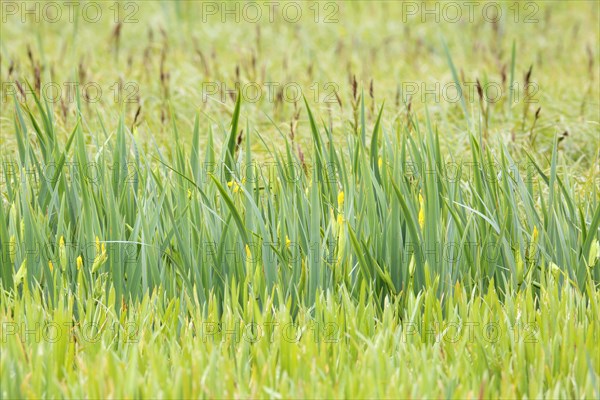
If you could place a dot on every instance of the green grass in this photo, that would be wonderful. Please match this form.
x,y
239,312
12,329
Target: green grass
x,y
378,250
469,345
370,253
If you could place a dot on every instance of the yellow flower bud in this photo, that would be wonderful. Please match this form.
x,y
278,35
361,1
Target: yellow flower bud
x,y
79,263
340,199
62,253
235,186
421,212
101,256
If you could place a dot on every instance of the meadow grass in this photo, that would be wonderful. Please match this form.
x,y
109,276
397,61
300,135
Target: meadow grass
x,y
381,249
468,345
481,275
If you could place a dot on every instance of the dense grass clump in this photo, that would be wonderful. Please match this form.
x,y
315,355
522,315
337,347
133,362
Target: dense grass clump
x,y
385,215
205,255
